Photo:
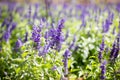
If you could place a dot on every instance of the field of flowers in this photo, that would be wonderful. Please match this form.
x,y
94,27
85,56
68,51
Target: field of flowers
x,y
59,42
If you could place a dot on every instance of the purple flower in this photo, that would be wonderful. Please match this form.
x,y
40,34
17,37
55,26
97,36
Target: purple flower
x,y
106,26
101,50
3,23
56,36
103,70
66,56
29,11
72,44
44,51
67,35
13,27
18,44
54,68
118,7
61,23
6,36
26,37
115,49
46,36
36,34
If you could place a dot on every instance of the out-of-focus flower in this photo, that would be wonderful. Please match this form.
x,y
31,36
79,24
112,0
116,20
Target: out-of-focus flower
x,y
106,26
103,70
66,56
3,23
118,7
56,36
18,44
67,35
72,44
36,34
13,27
26,37
115,49
101,50
54,68
6,36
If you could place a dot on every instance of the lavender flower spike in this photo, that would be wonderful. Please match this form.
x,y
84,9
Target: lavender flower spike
x,y
103,70
101,50
6,36
18,44
66,56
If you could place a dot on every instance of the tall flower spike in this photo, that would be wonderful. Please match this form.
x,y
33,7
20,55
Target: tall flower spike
x,y
36,34
117,48
67,35
26,37
113,50
101,50
56,36
103,70
106,26
72,44
66,56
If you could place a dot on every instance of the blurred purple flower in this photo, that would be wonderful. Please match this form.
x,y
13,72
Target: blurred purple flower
x,y
54,68
3,23
101,50
26,37
56,36
65,61
36,34
103,70
106,26
72,44
18,44
13,27
118,7
44,51
115,49
6,36
66,35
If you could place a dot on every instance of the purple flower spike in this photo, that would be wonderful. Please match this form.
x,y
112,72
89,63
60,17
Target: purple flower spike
x,y
26,37
60,24
106,26
118,7
36,34
101,50
6,36
112,51
115,49
13,27
18,44
103,70
56,36
66,56
54,68
67,35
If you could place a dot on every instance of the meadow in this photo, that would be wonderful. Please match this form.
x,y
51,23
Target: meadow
x,y
59,42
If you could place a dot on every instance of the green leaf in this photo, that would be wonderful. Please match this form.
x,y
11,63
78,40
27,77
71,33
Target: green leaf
x,y
25,54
